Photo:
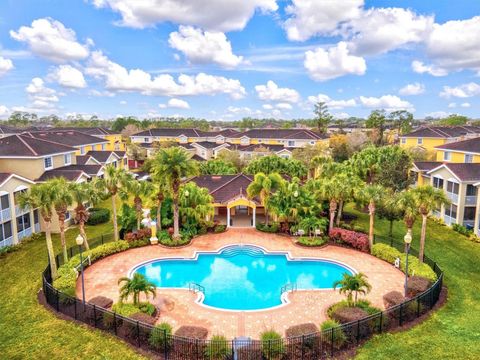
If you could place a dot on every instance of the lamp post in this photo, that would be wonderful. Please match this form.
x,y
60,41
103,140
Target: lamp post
x,y
79,240
407,239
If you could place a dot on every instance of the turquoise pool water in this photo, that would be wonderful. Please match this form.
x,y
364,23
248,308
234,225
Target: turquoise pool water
x,y
242,277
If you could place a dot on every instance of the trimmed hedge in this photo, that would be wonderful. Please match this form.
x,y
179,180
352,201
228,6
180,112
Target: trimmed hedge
x,y
98,216
417,285
415,267
339,337
271,228
312,241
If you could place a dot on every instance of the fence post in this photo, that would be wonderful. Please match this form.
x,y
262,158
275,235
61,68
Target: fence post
x,y
138,334
165,350
331,342
196,348
358,331
115,323
303,346
418,307
58,300
102,239
381,322
233,349
269,349
401,315
75,308
94,316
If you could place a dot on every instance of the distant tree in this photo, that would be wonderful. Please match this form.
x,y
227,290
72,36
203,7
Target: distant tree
x,y
121,123
377,121
276,164
322,116
390,210
402,121
307,153
232,157
217,167
453,120
340,149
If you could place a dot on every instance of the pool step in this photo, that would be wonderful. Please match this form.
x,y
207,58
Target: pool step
x,y
242,250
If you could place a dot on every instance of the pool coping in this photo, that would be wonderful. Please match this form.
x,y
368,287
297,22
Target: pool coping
x,y
283,297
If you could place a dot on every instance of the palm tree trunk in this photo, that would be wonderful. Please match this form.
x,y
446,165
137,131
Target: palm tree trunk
x,y
81,226
333,208
62,239
114,210
176,229
371,210
138,222
422,238
51,254
159,216
266,215
339,213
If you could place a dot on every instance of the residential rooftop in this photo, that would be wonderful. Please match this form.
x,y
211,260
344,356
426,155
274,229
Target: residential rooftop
x,y
27,146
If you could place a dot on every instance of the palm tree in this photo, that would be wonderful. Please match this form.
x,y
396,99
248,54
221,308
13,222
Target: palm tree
x,y
373,196
135,286
263,186
428,199
406,203
328,189
113,180
196,203
62,200
82,194
173,165
159,192
138,189
350,284
40,196
348,183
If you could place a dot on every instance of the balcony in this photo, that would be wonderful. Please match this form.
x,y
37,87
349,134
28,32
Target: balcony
x,y
24,233
471,200
6,242
37,227
453,197
449,220
436,213
5,215
20,211
469,224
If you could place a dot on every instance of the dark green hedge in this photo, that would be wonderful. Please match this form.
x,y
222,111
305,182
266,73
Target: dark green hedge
x,y
98,216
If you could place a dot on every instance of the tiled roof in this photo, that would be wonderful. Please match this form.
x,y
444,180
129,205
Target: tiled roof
x,y
302,134
224,188
207,144
70,175
91,170
100,156
171,132
95,131
444,131
82,159
465,171
427,165
121,154
251,148
4,176
26,146
470,145
8,130
198,158
67,137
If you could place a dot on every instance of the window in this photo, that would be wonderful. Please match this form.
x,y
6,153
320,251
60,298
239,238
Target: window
x,y
67,158
452,187
404,140
468,158
469,214
420,141
48,163
103,147
312,142
451,211
146,140
471,190
67,216
23,222
82,150
35,216
438,183
447,155
4,202
291,142
5,230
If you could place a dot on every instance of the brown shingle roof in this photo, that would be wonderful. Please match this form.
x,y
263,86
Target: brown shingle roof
x,y
444,131
470,145
224,188
465,171
95,131
91,170
100,156
70,175
172,132
302,134
427,165
26,146
67,137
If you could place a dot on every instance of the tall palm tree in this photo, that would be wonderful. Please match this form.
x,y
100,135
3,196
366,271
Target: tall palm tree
x,y
159,193
62,200
407,204
263,186
348,183
113,180
428,199
40,196
371,195
139,190
195,203
350,284
135,286
82,194
173,165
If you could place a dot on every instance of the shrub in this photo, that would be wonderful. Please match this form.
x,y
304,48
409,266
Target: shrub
x,y
125,309
138,243
271,228
168,241
143,317
148,308
348,314
160,337
108,321
417,285
393,298
140,234
312,241
302,329
101,301
386,252
462,229
335,336
217,348
66,280
356,240
272,344
192,332
98,216
219,229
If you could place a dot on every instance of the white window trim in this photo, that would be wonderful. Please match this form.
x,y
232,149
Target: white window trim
x,y
445,156
69,156
419,141
45,164
471,158
82,150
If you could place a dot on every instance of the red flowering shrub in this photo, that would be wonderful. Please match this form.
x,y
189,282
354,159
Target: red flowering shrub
x,y
141,234
354,239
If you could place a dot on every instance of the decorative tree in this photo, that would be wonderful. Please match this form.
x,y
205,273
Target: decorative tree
x,y
263,186
372,195
135,286
350,284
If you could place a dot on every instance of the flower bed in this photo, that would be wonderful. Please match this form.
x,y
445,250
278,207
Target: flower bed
x,y
354,239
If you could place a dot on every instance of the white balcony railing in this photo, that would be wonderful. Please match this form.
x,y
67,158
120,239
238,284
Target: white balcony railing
x,y
20,211
37,227
5,215
24,233
449,220
6,242
436,213
453,197
471,200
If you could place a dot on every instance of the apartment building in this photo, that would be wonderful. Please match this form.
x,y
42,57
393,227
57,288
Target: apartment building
x,y
466,151
113,138
432,136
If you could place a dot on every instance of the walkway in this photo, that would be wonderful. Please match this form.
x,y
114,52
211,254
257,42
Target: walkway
x,y
179,307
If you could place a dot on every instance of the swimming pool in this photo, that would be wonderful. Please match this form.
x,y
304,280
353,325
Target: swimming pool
x,y
243,277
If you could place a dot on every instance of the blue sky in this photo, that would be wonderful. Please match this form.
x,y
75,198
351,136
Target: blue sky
x,y
227,60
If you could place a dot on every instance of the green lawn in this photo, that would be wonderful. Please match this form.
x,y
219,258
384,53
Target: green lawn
x,y
29,331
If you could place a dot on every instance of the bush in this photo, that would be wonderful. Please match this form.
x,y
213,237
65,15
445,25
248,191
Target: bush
x,y
356,240
217,348
302,329
415,267
393,298
140,234
192,332
338,337
219,229
148,308
138,243
160,337
125,309
272,344
143,318
462,229
417,285
312,241
271,228
174,243
348,314
98,216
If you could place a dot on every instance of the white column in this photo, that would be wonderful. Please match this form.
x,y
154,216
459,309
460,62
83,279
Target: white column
x,y
228,217
253,218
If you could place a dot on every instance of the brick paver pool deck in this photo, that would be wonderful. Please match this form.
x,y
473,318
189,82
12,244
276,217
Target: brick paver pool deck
x,y
178,307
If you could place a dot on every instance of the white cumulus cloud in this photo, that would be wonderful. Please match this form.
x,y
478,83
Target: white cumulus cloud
x,y
4,110
175,104
462,91
412,89
271,92
284,106
387,102
50,39
41,96
209,14
5,65
332,104
68,76
329,64
203,47
118,78
421,68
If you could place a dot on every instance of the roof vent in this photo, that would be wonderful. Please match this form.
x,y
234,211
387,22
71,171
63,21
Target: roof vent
x,y
216,177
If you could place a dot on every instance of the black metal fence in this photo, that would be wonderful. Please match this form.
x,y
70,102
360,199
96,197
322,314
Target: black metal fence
x,y
319,345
